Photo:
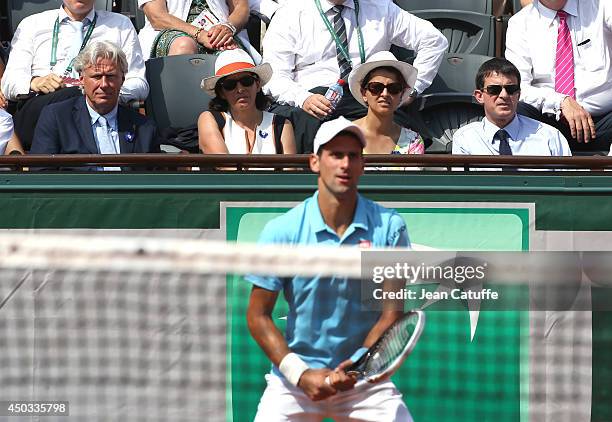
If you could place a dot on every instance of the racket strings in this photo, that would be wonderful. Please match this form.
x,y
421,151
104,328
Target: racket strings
x,y
391,346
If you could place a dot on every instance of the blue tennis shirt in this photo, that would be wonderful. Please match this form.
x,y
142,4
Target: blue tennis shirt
x,y
326,322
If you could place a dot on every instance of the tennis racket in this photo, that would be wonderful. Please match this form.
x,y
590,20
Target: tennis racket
x,y
390,350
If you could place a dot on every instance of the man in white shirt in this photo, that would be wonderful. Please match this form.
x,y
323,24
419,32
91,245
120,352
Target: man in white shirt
x,y
563,50
502,131
6,129
43,48
311,44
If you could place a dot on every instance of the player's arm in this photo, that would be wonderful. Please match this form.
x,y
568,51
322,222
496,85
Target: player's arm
x,y
272,342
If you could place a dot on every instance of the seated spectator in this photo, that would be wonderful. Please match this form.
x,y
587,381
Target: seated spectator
x,y
236,122
41,59
3,101
502,131
6,130
311,44
382,84
95,123
562,49
193,26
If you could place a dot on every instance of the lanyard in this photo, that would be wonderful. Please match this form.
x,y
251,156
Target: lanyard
x,y
335,36
55,38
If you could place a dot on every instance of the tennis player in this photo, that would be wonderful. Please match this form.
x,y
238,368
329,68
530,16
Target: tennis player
x,y
327,327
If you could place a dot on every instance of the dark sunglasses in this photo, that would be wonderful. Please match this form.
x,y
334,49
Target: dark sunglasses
x,y
377,88
497,89
230,84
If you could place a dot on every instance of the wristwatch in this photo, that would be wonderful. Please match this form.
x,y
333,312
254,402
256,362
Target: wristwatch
x,y
412,93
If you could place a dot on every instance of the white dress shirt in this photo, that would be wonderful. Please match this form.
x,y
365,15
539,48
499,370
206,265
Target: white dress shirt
x,y
6,129
31,51
180,9
302,52
527,137
531,43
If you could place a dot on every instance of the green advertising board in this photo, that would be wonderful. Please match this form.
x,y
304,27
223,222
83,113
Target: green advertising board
x,y
442,211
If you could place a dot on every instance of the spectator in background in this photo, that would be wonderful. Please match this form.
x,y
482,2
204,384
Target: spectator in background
x,y
236,122
3,101
566,72
43,48
6,130
311,44
95,123
502,131
381,84
194,26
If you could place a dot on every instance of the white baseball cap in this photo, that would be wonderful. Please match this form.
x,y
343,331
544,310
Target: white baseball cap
x,y
331,128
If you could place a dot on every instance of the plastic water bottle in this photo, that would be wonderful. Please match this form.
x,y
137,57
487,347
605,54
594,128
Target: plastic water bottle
x,y
334,93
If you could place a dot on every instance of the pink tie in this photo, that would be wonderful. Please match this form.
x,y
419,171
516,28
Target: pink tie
x,y
564,67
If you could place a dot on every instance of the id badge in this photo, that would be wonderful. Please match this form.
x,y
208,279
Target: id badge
x,y
205,20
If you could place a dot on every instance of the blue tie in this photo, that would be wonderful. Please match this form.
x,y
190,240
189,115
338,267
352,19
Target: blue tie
x,y
105,141
504,146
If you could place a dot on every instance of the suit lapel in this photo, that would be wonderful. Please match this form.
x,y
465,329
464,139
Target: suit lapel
x,y
127,131
83,125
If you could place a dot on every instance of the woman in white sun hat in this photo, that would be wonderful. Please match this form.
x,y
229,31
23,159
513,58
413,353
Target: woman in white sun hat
x,y
382,84
237,122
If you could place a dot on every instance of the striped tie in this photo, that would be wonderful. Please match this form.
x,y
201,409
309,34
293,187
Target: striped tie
x,y
564,67
340,29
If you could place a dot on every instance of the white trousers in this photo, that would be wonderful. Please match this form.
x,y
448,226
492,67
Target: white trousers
x,y
282,402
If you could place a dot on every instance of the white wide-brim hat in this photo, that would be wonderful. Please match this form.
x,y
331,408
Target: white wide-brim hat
x,y
328,131
380,59
235,61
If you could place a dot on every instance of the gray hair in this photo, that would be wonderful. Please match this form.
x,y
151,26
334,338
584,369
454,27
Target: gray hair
x,y
100,50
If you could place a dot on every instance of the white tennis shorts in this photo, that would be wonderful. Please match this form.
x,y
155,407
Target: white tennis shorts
x,y
282,402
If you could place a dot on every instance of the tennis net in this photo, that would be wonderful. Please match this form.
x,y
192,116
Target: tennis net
x,y
142,329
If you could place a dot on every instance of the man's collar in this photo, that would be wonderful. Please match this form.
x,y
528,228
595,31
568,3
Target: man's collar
x,y
490,129
93,114
571,7
360,219
63,15
326,5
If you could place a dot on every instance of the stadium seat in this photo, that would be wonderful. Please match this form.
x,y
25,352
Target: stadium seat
x,y
443,120
466,32
478,6
448,103
454,81
175,98
20,9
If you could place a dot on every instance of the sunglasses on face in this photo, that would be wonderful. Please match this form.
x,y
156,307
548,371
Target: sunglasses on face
x,y
377,88
230,84
497,89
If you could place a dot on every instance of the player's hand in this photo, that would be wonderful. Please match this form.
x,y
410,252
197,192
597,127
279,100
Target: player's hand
x,y
580,121
220,37
46,84
312,382
318,106
341,380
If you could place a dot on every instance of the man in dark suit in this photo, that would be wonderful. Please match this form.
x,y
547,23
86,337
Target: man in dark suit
x,y
95,123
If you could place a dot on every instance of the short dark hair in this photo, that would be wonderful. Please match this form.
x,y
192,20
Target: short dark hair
x,y
496,65
391,69
262,101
